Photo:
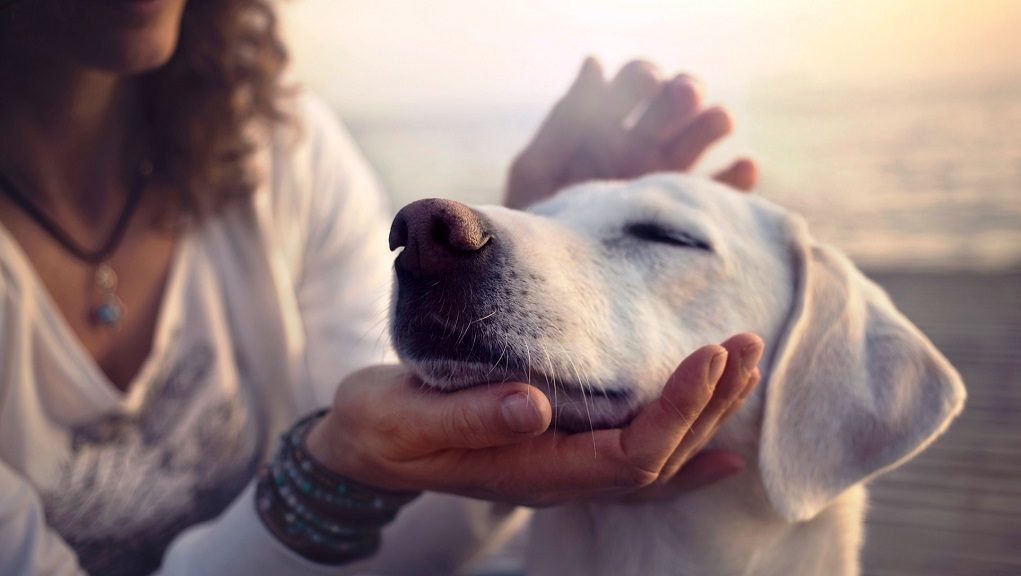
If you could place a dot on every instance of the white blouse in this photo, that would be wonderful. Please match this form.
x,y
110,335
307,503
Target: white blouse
x,y
267,307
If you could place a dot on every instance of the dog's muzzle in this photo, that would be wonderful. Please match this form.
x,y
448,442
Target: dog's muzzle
x,y
464,314
452,270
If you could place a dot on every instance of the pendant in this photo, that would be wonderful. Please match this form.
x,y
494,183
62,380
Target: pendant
x,y
110,308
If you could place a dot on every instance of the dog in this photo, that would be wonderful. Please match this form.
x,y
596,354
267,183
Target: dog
x,y
599,292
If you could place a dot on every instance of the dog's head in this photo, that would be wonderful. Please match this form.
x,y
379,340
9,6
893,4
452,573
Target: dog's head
x,y
597,294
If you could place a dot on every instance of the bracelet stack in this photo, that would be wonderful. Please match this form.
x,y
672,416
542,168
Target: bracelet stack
x,y
322,516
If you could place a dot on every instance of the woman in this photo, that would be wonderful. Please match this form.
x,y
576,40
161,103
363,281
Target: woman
x,y
192,259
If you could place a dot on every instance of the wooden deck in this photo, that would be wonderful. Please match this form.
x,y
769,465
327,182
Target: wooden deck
x,y
956,509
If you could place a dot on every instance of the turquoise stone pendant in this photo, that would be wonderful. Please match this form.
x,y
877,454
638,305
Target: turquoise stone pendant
x,y
110,309
108,313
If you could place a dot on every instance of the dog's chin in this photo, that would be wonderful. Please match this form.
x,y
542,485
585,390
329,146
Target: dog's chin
x,y
576,408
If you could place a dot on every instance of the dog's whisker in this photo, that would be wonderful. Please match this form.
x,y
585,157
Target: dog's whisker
x,y
379,345
477,320
457,320
380,323
553,373
582,384
503,353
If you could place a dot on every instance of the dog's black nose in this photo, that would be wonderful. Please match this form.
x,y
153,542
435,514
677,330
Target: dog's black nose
x,y
437,236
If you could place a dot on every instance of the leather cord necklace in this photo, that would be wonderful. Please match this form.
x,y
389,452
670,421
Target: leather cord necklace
x,y
108,308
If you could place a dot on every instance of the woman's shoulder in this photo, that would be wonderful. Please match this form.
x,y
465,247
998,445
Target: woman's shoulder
x,y
312,141
311,159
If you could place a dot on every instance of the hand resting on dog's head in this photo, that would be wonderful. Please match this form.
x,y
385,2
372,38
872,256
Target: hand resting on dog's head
x,y
591,134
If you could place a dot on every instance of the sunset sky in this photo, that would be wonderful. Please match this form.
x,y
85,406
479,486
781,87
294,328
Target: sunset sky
x,y
393,55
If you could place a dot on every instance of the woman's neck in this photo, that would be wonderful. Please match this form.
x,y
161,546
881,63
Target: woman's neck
x,y
64,131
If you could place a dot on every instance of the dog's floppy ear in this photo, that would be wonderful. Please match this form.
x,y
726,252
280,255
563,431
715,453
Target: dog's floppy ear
x,y
855,388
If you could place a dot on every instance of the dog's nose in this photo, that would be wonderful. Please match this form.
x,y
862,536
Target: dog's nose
x,y
437,235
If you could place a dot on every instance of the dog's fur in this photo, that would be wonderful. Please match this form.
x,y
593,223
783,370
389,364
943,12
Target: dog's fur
x,y
578,299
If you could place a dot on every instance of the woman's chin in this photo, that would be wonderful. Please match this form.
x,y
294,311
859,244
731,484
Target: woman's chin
x,y
123,36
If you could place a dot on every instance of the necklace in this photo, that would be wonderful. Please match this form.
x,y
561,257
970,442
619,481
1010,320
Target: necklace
x,y
108,309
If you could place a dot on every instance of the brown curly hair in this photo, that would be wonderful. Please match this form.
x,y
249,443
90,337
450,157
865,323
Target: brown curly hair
x,y
224,74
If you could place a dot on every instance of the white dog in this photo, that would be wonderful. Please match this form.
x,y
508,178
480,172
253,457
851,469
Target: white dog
x,y
599,292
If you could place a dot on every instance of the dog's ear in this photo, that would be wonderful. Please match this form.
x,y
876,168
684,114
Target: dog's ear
x,y
854,389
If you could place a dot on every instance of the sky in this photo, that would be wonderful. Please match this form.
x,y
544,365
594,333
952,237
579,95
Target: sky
x,y
393,56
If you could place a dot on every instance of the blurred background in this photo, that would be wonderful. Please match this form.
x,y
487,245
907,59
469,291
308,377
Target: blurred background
x,y
894,126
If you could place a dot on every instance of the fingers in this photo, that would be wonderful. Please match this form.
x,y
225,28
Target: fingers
x,y
705,129
593,106
561,131
744,352
553,466
738,379
540,169
742,175
670,111
636,82
610,150
585,137
661,425
753,381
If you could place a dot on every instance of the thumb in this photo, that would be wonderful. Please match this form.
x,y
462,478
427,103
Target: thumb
x,y
482,416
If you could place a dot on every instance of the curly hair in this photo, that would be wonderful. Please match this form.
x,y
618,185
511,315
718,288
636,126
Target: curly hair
x,y
224,74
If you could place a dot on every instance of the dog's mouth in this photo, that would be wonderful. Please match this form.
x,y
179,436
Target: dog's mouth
x,y
451,354
577,407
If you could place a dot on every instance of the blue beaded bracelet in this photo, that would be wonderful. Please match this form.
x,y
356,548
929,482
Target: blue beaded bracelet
x,y
323,516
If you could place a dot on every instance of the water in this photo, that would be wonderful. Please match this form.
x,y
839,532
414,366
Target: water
x,y
926,177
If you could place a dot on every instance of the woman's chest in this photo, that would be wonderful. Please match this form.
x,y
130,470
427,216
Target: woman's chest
x,y
120,474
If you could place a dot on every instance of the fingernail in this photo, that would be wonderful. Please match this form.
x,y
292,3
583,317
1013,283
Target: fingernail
x,y
716,365
520,413
750,356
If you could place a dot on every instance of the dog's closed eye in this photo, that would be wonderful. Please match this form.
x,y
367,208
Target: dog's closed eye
x,y
653,232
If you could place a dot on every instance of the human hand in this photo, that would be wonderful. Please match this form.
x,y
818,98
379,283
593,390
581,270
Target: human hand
x,y
690,467
585,136
491,442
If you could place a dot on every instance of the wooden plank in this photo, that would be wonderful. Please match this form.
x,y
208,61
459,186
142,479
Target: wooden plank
x,y
956,509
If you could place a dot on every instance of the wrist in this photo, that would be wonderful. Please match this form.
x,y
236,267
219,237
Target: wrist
x,y
327,444
316,512
319,446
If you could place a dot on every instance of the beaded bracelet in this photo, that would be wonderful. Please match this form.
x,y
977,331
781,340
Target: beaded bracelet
x,y
322,516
